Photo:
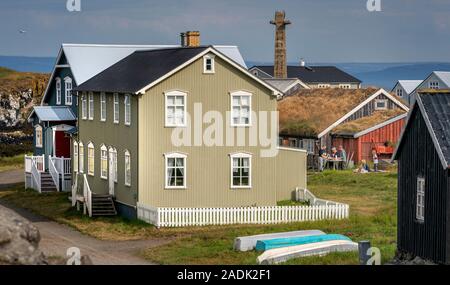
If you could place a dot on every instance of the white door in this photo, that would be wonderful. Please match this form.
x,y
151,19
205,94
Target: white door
x,y
111,176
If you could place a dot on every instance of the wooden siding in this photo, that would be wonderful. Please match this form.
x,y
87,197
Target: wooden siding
x,y
417,156
208,168
369,108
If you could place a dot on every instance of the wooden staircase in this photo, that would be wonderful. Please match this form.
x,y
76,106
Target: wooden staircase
x,y
103,205
47,184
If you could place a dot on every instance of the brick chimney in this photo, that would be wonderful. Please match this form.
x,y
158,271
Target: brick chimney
x,y
280,66
190,39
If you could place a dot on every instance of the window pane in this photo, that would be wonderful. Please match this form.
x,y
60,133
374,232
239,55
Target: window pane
x,y
236,101
170,100
179,100
245,100
171,162
236,181
245,181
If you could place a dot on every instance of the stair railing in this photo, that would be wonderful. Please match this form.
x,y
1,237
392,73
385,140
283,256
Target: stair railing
x,y
87,193
54,172
36,176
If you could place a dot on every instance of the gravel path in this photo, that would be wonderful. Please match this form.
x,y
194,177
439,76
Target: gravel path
x,y
11,177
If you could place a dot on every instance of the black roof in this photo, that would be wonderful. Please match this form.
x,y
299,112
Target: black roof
x,y
314,74
139,69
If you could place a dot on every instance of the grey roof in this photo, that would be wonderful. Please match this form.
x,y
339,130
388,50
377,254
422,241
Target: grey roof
x,y
136,71
283,84
314,74
444,76
409,85
53,113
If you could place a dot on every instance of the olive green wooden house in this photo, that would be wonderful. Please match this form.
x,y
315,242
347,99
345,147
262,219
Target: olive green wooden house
x,y
131,115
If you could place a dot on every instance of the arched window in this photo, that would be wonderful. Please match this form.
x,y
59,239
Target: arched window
x,y
103,162
75,157
68,90
91,159
175,170
58,90
81,156
113,156
241,170
127,168
127,107
38,136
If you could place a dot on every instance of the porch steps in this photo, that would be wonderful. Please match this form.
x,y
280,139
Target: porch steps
x,y
103,205
47,184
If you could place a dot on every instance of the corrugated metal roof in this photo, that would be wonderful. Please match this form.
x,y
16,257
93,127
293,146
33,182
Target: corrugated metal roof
x,y
444,76
409,85
53,113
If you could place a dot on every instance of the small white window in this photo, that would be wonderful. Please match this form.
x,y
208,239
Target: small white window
x,y
241,107
241,170
420,202
103,162
75,156
91,159
103,107
68,90
91,106
208,64
127,105
381,104
175,170
81,156
434,84
58,91
127,168
83,106
113,156
175,109
38,137
116,108
400,92
324,85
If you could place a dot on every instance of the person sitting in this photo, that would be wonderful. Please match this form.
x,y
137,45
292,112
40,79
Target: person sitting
x,y
322,157
334,156
342,154
363,167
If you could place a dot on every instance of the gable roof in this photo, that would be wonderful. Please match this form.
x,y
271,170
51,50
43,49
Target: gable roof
x,y
315,112
285,84
434,105
143,69
444,76
53,113
313,74
408,85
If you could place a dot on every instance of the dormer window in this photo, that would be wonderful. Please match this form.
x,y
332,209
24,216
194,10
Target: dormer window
x,y
434,85
58,91
381,104
208,64
68,90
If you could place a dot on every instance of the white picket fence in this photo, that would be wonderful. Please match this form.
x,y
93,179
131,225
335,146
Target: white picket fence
x,y
182,217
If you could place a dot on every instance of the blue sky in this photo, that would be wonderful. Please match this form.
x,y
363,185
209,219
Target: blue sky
x,y
321,30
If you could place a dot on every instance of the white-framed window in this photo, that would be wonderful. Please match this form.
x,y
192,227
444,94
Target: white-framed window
x,y
68,90
91,106
399,92
175,168
308,145
209,63
127,108
324,85
175,102
127,168
433,84
241,108
91,159
345,86
241,170
113,156
39,136
102,107
103,162
116,108
81,156
75,157
83,106
58,91
420,199
381,104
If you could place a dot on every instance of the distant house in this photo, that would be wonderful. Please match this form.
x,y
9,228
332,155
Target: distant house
x,y
288,86
436,80
313,76
316,117
423,156
404,88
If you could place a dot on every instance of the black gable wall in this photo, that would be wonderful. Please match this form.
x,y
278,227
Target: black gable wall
x,y
418,156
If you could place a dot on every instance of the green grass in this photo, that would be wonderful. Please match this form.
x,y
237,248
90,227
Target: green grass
x,y
12,162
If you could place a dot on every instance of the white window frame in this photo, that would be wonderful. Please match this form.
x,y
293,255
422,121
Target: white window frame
x,y
83,106
240,155
420,199
241,94
211,58
127,168
399,92
68,90
75,156
385,101
103,162
127,109
39,136
175,93
433,84
345,86
175,155
91,158
103,107
91,106
113,153
323,85
81,157
58,91
116,108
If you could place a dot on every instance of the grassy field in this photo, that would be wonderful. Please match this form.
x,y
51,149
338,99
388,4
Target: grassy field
x,y
10,163
372,200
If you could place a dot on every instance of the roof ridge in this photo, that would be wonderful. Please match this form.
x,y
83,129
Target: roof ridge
x,y
172,48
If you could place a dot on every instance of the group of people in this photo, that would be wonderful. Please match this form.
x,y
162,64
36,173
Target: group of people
x,y
337,157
